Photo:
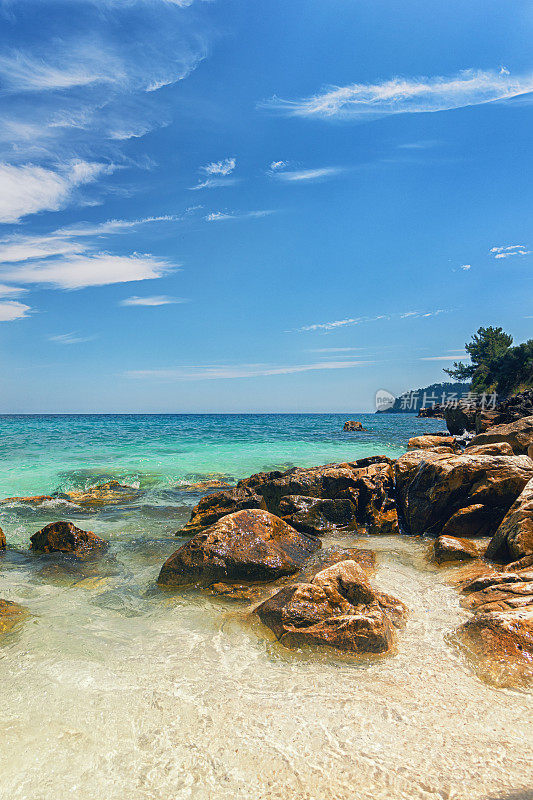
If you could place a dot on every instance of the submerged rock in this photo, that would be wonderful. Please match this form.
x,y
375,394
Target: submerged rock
x,y
449,548
250,545
108,493
64,537
10,615
518,434
432,487
514,538
338,608
501,644
353,425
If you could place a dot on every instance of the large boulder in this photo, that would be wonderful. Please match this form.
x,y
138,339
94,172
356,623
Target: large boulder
x,y
428,442
475,520
250,545
493,449
500,591
432,487
448,549
501,645
518,434
513,540
215,506
338,608
64,537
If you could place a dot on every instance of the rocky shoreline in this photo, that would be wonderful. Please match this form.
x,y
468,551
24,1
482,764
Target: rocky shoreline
x,y
262,542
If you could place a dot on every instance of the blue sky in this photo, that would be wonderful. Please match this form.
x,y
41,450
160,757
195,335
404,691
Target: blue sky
x,y
234,206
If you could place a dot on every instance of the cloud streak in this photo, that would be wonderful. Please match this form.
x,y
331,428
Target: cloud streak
x,y
351,321
224,216
360,101
510,250
229,371
71,338
151,301
306,175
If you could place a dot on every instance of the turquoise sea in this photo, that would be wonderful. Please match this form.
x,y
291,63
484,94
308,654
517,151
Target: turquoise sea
x,y
112,689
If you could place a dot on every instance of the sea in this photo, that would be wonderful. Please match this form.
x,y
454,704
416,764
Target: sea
x,y
113,689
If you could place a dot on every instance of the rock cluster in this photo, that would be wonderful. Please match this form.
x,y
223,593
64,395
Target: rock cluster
x,y
353,425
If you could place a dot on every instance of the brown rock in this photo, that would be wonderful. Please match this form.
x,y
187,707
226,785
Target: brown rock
x,y
35,500
353,425
474,520
433,487
514,538
10,615
500,592
338,608
429,442
215,506
64,537
448,548
485,420
501,644
250,545
460,419
494,449
3,543
518,434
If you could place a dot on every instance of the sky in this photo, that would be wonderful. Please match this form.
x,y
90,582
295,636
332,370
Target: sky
x,y
233,206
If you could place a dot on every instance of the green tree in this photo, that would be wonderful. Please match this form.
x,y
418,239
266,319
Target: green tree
x,y
514,372
486,350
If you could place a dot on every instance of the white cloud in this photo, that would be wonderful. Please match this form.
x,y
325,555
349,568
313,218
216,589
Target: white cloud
x,y
80,271
222,216
277,165
11,291
223,167
466,267
22,72
154,300
29,189
70,338
454,357
407,95
510,250
12,309
226,371
294,176
349,321
112,226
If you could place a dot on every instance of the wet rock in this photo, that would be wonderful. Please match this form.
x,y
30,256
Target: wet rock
x,y
34,500
433,487
499,592
514,538
353,425
338,608
501,645
206,485
250,545
11,614
518,434
494,449
3,543
429,442
316,516
475,520
449,548
215,506
64,537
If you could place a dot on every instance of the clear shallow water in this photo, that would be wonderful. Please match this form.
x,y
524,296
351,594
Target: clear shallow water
x,y
113,690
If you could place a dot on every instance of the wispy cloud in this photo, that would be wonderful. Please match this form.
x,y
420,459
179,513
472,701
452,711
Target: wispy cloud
x,y
510,250
350,321
224,216
11,310
466,267
29,189
227,371
335,349
275,166
223,167
299,175
453,357
153,300
23,72
407,95
71,338
214,183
